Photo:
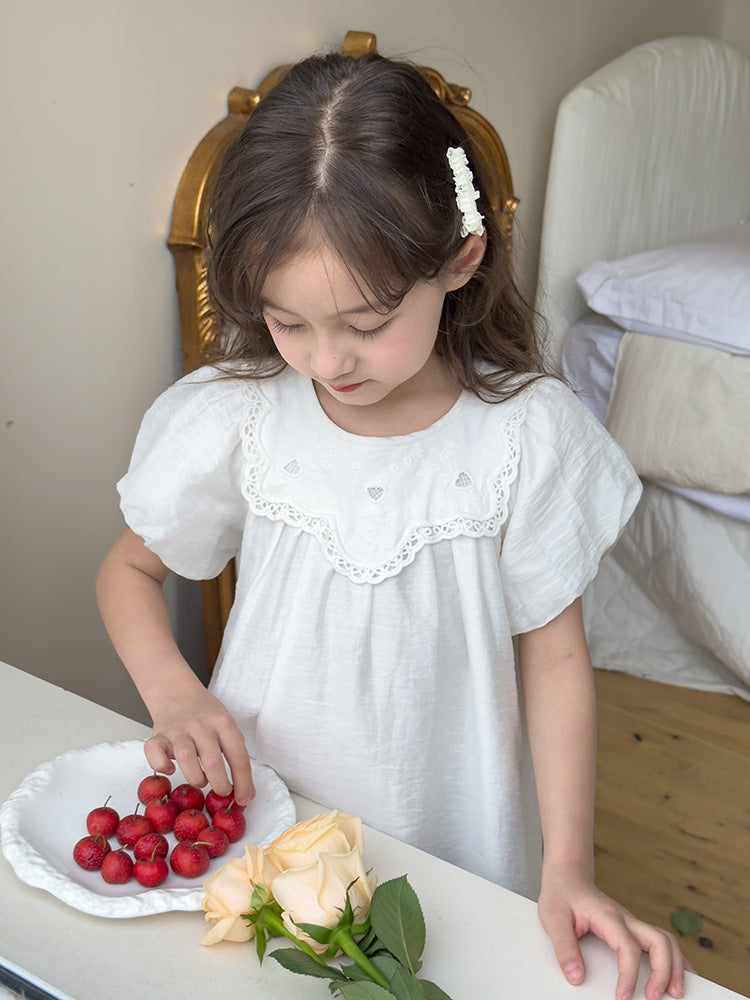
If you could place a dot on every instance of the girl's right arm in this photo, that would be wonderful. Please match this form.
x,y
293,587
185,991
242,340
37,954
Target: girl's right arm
x,y
190,725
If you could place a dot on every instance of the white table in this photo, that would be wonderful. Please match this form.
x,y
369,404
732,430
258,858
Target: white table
x,y
493,946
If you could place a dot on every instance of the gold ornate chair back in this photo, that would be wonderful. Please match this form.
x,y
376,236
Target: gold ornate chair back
x,y
199,325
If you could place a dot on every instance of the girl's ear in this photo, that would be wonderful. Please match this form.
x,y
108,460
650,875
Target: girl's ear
x,y
461,269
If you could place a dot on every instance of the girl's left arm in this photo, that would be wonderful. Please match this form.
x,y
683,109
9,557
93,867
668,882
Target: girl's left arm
x,y
560,702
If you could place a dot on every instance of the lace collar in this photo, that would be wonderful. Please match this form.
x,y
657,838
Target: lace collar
x,y
373,503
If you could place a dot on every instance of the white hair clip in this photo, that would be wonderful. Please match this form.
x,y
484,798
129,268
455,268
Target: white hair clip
x,y
466,193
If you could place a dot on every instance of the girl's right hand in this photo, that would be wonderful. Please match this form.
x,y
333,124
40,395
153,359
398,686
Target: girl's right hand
x,y
194,730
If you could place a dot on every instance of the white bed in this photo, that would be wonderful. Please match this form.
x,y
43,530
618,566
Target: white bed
x,y
651,151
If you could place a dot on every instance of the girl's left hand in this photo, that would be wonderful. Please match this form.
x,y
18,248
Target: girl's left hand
x,y
570,906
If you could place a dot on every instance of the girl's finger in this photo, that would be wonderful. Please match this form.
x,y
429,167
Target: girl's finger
x,y
620,939
212,764
628,966
665,958
235,751
188,760
158,753
661,960
676,986
559,928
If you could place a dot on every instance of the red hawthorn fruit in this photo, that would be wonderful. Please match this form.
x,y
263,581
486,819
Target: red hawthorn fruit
x,y
155,786
131,828
90,851
187,797
117,867
150,871
189,860
103,819
215,841
189,824
231,820
151,844
214,801
161,813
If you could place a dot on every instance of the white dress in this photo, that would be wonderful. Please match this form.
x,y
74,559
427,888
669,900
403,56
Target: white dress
x,y
369,655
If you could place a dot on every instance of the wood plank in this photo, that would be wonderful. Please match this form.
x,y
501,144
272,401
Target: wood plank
x,y
719,719
673,813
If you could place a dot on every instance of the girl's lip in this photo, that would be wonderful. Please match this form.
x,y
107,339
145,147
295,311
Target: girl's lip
x,y
345,388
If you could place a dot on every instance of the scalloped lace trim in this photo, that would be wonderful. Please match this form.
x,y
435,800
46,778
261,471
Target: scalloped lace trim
x,y
415,536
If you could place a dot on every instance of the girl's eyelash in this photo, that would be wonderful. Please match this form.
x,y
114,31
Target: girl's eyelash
x,y
280,327
370,333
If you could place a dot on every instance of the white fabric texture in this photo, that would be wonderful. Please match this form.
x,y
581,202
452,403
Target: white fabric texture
x,y
650,149
681,412
697,291
369,653
589,356
683,573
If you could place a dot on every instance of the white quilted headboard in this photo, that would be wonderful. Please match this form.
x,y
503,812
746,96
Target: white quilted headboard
x,y
652,148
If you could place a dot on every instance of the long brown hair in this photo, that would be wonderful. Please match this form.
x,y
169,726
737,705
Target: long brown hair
x,y
354,151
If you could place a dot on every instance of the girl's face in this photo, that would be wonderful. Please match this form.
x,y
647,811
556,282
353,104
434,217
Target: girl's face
x,y
357,353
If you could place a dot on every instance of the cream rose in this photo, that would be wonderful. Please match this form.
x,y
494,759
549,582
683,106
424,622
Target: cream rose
x,y
302,844
228,893
317,894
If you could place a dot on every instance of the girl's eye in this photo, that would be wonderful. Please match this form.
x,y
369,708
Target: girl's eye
x,y
371,333
281,327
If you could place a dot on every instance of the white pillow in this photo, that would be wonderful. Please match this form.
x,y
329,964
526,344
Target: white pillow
x,y
697,291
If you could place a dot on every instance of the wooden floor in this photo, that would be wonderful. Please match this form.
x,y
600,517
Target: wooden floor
x,y
673,814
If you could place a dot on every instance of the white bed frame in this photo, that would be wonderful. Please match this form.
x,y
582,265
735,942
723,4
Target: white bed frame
x,y
652,148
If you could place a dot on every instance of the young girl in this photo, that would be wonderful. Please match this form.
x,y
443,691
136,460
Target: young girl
x,y
414,506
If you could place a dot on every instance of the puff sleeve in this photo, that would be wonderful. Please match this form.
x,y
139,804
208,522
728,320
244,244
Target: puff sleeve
x,y
573,496
182,491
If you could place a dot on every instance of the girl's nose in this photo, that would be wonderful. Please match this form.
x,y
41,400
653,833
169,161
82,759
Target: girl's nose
x,y
330,360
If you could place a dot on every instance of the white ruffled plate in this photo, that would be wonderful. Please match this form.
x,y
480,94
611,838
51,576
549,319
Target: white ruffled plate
x,y
46,815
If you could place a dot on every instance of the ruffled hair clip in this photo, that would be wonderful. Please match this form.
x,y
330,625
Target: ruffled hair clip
x,y
466,193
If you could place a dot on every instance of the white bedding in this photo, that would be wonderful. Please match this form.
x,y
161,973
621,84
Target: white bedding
x,y
682,575
589,354
651,149
681,413
670,602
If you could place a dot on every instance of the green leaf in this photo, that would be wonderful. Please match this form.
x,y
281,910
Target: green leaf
x,y
383,961
362,991
299,962
354,973
386,963
398,921
686,921
405,986
433,992
318,933
369,943
261,939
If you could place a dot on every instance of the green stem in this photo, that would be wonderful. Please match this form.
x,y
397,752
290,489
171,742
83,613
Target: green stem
x,y
277,927
349,947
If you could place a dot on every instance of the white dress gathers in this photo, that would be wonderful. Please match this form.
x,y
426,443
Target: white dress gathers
x,y
369,654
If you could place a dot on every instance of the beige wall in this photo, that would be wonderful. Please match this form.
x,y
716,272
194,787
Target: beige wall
x,y
103,101
736,25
